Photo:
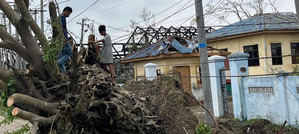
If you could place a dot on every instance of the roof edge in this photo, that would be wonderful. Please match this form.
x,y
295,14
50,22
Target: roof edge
x,y
251,34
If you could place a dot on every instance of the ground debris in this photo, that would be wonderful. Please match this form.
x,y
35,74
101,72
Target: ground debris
x,y
166,99
255,126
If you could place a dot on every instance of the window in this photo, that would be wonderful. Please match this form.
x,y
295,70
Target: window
x,y
276,53
295,53
253,52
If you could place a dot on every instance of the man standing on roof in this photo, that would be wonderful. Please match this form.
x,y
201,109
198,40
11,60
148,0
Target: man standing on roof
x,y
66,51
106,56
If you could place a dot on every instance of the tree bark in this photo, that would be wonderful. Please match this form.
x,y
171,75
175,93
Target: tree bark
x,y
54,19
22,25
21,99
29,19
3,85
33,118
5,74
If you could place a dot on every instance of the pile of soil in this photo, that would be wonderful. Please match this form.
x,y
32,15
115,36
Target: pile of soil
x,y
167,100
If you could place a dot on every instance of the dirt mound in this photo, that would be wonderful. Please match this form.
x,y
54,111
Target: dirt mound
x,y
166,99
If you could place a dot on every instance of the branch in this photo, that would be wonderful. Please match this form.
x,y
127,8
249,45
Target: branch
x,y
236,11
33,118
9,12
274,6
4,35
29,19
17,48
5,74
19,99
12,44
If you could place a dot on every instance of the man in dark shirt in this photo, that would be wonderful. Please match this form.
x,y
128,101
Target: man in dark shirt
x,y
66,51
67,11
93,51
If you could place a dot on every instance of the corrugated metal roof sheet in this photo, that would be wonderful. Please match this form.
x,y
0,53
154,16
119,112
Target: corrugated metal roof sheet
x,y
155,50
270,22
181,48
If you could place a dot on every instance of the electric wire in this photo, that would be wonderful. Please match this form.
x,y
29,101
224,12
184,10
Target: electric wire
x,y
84,10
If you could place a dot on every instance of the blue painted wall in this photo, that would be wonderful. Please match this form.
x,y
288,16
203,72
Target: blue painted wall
x,y
277,107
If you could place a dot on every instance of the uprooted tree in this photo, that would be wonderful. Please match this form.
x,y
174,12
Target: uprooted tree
x,y
84,102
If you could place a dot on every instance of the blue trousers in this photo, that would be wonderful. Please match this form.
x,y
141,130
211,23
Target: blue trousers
x,y
65,54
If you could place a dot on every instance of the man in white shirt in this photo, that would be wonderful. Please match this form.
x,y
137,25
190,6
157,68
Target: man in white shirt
x,y
106,56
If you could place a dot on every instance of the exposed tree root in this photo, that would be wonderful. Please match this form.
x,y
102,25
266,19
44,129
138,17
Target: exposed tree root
x,y
94,106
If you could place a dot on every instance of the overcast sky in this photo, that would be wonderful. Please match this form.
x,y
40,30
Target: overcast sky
x,y
118,13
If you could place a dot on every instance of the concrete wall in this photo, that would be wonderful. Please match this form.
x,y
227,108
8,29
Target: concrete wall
x,y
263,41
275,98
278,106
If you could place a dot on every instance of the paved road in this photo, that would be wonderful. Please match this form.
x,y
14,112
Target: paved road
x,y
17,124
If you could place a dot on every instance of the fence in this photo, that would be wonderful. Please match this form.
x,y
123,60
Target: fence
x,y
275,98
272,98
11,58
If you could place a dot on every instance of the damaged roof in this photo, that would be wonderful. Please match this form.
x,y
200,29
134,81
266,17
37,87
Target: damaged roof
x,y
264,22
162,46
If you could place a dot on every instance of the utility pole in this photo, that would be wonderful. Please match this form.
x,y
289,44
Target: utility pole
x,y
82,32
204,66
92,28
297,7
42,15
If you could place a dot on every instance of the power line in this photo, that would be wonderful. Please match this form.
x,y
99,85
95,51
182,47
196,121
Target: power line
x,y
84,10
178,11
163,11
121,36
115,28
64,1
284,84
116,6
231,76
218,61
186,20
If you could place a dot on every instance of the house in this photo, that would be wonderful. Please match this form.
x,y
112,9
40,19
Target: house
x,y
174,56
271,39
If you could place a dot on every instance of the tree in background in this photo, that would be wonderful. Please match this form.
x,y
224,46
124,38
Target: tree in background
x,y
148,19
226,10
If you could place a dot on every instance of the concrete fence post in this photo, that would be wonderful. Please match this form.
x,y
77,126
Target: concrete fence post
x,y
216,63
238,67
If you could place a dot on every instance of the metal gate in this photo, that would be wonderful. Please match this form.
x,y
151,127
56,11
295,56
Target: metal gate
x,y
226,92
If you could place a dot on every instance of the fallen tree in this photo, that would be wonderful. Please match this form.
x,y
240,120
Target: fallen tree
x,y
85,101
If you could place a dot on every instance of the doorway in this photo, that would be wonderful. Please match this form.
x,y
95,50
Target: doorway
x,y
184,72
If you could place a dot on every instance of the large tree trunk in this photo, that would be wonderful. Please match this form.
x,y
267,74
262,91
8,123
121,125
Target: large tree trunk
x,y
32,46
29,48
